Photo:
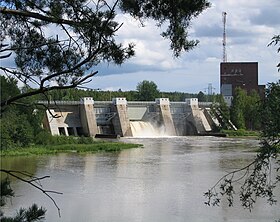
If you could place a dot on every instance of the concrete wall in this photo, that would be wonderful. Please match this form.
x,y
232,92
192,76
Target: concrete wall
x,y
67,121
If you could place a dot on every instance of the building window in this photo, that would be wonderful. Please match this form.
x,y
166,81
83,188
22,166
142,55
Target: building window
x,y
70,131
61,131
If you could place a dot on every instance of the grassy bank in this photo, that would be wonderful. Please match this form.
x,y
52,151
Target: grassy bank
x,y
241,133
92,146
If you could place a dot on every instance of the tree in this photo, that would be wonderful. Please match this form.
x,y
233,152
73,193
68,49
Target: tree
x,y
259,178
270,116
252,111
274,42
31,214
18,125
147,91
8,87
238,107
245,109
201,97
84,37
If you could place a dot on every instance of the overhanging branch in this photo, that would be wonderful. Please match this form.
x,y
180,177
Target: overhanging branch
x,y
42,90
34,182
35,15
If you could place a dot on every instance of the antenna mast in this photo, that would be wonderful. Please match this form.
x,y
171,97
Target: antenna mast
x,y
224,37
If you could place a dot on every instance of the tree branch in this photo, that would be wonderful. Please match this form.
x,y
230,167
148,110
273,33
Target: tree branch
x,y
46,89
35,15
19,175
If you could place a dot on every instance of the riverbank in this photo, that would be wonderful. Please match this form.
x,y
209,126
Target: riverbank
x,y
241,133
97,146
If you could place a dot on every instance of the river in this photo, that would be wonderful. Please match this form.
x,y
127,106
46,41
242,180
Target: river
x,y
162,182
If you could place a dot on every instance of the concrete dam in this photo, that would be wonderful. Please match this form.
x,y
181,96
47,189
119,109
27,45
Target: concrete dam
x,y
129,118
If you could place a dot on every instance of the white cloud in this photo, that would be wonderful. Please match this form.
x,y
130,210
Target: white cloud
x,y
250,27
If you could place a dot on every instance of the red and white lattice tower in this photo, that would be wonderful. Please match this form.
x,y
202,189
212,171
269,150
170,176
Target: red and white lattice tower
x,y
224,37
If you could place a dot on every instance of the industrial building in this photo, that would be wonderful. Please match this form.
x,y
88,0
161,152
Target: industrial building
x,y
239,74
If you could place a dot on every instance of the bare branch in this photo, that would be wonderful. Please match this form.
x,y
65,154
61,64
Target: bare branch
x,y
20,176
232,174
19,75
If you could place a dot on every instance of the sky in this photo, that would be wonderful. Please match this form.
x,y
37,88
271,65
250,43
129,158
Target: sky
x,y
249,28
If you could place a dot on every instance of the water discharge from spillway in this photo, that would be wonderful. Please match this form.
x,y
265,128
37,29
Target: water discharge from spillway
x,y
146,129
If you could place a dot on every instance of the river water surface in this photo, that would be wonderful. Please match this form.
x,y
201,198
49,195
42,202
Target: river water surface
x,y
162,182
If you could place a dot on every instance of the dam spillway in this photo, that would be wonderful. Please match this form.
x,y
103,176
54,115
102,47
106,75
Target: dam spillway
x,y
147,129
124,118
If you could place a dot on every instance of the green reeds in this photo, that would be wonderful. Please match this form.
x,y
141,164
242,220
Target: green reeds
x,y
97,146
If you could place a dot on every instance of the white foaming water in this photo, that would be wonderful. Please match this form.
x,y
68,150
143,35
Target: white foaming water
x,y
146,129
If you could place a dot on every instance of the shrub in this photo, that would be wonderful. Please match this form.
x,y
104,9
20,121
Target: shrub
x,y
43,138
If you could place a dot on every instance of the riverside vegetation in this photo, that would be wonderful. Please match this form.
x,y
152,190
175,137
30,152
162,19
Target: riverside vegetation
x,y
47,144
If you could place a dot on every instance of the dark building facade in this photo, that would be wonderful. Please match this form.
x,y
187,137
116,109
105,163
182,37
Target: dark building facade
x,y
239,74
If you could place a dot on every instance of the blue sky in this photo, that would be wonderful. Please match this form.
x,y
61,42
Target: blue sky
x,y
250,27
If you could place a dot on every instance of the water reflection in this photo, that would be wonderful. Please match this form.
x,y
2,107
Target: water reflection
x,y
164,181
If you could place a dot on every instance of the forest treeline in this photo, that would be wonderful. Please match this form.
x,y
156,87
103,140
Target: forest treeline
x,y
132,95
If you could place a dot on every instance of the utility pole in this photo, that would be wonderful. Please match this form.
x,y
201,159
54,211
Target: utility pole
x,y
224,37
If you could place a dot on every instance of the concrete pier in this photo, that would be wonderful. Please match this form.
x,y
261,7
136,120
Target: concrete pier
x,y
166,118
198,118
121,121
87,116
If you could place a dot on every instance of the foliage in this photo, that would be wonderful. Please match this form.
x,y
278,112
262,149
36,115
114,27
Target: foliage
x,y
5,191
177,14
147,91
274,42
16,131
252,111
45,138
8,87
245,109
259,178
31,214
97,146
238,107
270,115
18,124
84,37
241,132
201,96
132,95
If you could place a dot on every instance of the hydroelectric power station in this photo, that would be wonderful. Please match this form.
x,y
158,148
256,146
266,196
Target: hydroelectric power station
x,y
129,118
